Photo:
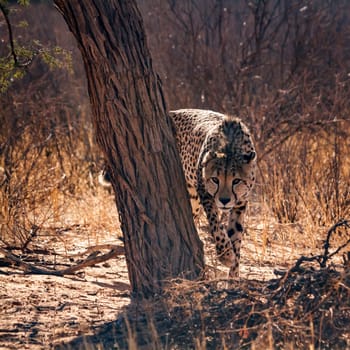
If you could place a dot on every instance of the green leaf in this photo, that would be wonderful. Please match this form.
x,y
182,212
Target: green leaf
x,y
24,2
23,24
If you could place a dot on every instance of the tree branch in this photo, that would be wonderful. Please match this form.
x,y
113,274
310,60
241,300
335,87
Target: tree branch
x,y
5,12
16,63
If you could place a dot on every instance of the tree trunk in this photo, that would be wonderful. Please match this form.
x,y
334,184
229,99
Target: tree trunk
x,y
135,134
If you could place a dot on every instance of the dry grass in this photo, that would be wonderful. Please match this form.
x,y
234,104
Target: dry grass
x,y
306,180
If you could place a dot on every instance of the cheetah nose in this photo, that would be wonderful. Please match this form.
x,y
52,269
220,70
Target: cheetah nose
x,y
224,200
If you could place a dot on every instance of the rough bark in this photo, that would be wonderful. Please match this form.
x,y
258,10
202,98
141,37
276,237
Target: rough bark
x,y
135,134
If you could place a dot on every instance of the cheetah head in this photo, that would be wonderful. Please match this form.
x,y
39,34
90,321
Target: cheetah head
x,y
229,178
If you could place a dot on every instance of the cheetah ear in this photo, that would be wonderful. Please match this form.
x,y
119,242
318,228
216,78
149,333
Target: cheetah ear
x,y
247,158
208,157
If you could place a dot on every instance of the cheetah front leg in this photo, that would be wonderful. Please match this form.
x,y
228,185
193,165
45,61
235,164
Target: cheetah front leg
x,y
195,203
235,233
218,230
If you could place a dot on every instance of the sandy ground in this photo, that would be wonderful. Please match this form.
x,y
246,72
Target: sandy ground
x,y
40,311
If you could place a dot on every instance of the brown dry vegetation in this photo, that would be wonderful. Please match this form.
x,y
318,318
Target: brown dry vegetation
x,y
284,68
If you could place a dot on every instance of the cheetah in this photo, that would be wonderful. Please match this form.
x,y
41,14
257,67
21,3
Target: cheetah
x,y
219,161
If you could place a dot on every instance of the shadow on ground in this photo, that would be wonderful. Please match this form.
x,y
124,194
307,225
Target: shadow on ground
x,y
305,307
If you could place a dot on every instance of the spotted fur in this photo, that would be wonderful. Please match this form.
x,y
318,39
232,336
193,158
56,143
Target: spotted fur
x,y
219,160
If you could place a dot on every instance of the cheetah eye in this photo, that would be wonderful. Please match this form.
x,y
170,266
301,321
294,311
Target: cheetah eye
x,y
235,182
215,180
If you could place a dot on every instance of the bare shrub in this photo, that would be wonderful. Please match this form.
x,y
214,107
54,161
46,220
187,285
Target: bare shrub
x,y
47,146
27,189
281,65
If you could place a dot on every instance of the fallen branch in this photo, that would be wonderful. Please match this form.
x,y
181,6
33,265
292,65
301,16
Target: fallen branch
x,y
93,260
89,261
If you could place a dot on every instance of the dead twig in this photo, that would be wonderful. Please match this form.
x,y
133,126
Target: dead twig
x,y
326,255
32,234
323,258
